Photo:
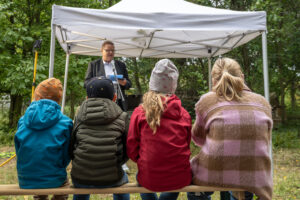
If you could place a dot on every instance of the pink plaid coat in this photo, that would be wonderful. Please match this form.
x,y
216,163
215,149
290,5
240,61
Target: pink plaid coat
x,y
235,141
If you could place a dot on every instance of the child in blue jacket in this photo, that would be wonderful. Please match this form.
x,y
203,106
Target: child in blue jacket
x,y
42,141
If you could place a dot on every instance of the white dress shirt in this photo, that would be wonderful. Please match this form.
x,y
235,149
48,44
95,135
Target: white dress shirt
x,y
109,71
108,68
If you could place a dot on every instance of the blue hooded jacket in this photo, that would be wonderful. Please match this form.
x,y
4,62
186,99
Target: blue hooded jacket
x,y
42,143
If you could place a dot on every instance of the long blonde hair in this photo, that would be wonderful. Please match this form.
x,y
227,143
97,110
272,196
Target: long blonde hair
x,y
154,104
228,79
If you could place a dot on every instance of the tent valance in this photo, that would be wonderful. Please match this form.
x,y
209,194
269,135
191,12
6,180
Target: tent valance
x,y
156,28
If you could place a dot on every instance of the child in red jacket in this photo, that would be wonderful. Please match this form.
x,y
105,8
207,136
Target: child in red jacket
x,y
159,136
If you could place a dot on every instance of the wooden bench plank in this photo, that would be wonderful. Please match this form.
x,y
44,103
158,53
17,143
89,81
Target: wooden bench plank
x,y
14,189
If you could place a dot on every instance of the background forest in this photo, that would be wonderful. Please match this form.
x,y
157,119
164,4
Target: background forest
x,y
24,21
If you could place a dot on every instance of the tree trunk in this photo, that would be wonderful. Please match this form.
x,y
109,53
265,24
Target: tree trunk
x,y
293,95
282,104
72,106
15,110
29,13
204,70
136,77
110,3
246,63
282,78
37,14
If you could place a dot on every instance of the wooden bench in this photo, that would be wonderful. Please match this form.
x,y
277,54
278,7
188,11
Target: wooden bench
x,y
14,189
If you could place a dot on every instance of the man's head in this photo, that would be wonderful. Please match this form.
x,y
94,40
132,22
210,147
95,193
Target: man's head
x,y
49,89
99,87
108,51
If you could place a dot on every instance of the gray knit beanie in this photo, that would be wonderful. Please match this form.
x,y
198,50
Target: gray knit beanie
x,y
164,77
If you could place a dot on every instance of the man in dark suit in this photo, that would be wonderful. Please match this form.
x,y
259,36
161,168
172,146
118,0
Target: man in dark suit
x,y
105,66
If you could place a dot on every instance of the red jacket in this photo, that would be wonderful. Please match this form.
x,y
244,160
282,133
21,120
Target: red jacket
x,y
163,157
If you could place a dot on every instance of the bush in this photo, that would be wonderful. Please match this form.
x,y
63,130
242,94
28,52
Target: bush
x,y
6,133
189,105
286,137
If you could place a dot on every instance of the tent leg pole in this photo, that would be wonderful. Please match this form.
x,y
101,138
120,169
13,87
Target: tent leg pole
x,y
209,74
266,83
52,51
65,83
265,65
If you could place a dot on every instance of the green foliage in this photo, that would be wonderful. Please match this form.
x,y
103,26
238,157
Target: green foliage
x,y
6,133
283,42
192,83
286,137
22,22
6,154
139,73
17,37
75,90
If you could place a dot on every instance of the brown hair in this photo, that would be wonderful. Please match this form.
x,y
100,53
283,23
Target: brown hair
x,y
154,104
228,79
107,42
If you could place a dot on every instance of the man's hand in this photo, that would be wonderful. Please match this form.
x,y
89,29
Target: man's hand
x,y
122,82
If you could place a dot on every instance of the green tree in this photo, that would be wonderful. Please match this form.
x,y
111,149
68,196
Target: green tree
x,y
22,22
18,20
283,45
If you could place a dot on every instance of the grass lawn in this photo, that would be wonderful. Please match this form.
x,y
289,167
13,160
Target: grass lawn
x,y
286,175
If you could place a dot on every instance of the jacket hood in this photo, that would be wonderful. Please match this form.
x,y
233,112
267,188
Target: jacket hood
x,y
42,114
173,110
95,111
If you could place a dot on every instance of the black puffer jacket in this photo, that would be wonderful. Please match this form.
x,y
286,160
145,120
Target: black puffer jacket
x,y
98,143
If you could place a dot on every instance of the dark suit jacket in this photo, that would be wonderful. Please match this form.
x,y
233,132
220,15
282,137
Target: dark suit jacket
x,y
96,69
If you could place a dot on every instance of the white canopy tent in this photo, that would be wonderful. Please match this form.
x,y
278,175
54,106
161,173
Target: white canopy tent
x,y
155,28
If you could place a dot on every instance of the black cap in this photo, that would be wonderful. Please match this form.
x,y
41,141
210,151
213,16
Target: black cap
x,y
100,87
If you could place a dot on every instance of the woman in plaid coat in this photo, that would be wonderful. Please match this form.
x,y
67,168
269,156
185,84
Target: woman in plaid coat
x,y
233,126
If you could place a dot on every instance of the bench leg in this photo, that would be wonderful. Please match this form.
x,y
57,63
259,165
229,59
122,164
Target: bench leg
x,y
241,195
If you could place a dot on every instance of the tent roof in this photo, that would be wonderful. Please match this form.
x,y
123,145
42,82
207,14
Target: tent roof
x,y
156,28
